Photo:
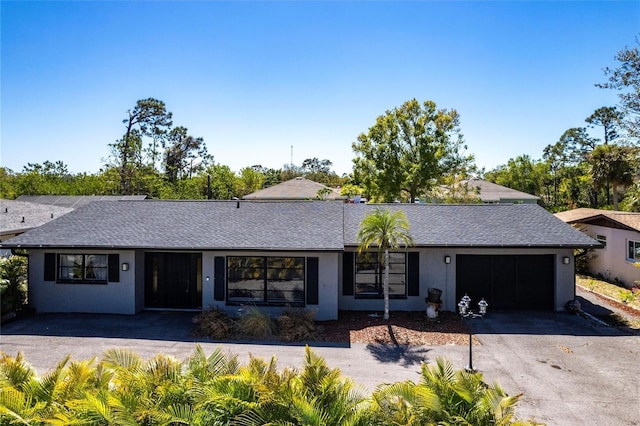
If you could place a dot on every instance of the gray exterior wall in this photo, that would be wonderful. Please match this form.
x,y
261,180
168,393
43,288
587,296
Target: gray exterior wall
x,y
327,307
113,297
434,273
127,296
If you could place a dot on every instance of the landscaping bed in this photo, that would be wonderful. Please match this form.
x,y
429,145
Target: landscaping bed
x,y
402,328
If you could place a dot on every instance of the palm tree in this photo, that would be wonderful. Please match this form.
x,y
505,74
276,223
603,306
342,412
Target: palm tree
x,y
385,230
614,164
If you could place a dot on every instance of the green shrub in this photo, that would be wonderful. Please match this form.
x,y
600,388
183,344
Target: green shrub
x,y
582,261
13,283
256,324
295,325
213,323
626,296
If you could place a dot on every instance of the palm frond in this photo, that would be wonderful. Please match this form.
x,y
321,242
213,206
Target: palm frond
x,y
121,358
14,371
49,387
92,409
15,406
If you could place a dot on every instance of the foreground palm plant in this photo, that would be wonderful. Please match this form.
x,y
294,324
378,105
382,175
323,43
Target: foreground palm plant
x,y
124,389
444,396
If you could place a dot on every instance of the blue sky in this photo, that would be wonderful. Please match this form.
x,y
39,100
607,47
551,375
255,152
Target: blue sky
x,y
255,78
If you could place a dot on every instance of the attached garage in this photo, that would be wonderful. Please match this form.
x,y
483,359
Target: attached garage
x,y
507,281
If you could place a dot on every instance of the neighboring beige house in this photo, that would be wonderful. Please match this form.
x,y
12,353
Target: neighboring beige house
x,y
296,189
619,233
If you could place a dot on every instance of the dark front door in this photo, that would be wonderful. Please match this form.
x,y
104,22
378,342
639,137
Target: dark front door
x,y
173,280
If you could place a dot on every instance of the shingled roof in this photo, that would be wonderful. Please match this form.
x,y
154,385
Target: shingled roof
x,y
201,225
76,201
20,216
293,225
476,225
490,192
297,188
627,220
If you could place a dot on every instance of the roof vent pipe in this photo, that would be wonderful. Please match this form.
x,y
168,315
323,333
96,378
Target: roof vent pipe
x,y
22,221
51,215
238,204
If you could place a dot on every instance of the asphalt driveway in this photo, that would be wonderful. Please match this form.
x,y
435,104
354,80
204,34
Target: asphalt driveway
x,y
571,371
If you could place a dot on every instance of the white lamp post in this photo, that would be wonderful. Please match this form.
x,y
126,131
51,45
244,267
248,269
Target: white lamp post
x,y
465,312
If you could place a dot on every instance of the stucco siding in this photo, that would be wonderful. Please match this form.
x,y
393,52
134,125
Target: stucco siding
x,y
612,262
435,273
327,307
113,297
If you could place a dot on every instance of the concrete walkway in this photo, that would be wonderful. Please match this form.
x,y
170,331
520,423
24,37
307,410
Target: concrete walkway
x,y
570,370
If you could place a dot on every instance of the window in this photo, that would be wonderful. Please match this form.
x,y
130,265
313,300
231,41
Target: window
x,y
266,280
634,251
602,239
370,275
83,268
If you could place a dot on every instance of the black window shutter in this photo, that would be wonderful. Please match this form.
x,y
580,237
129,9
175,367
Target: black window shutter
x,y
49,266
114,268
218,278
413,276
347,273
312,281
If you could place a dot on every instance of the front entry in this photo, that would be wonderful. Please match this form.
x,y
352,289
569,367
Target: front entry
x,y
173,280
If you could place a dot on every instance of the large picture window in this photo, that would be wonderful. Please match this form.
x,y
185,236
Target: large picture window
x,y
265,280
370,275
634,250
83,268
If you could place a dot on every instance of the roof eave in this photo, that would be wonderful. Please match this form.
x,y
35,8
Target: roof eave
x,y
166,248
510,246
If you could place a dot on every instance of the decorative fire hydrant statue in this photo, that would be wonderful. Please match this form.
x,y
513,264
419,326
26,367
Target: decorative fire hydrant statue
x,y
433,302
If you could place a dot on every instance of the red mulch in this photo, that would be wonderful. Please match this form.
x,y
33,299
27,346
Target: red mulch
x,y
402,328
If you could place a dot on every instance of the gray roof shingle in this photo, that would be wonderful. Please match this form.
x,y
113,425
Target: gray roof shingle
x,y
492,192
291,225
194,225
76,201
20,216
476,225
297,188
